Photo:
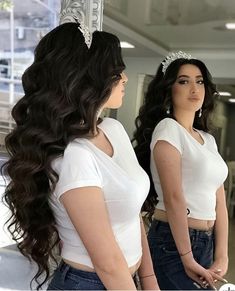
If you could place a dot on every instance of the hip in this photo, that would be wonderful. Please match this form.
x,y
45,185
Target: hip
x,y
133,269
164,250
67,277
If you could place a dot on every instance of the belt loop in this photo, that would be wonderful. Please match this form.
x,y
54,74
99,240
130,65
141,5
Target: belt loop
x,y
64,272
191,234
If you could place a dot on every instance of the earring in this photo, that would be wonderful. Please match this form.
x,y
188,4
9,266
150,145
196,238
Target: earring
x,y
82,122
168,111
200,112
98,113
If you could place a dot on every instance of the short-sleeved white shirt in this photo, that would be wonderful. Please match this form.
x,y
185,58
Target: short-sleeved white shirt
x,y
124,184
203,169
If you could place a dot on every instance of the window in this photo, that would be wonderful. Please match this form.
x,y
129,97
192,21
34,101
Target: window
x,y
22,24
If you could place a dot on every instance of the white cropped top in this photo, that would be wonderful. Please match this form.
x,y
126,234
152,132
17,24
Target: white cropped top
x,y
203,169
124,184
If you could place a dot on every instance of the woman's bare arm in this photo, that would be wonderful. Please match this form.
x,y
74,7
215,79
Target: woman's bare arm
x,y
88,213
221,234
148,279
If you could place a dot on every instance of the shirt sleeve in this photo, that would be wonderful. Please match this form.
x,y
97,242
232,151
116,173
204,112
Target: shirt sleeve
x,y
78,169
168,130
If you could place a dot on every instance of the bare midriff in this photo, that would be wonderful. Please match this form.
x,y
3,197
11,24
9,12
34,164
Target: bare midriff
x,y
198,224
82,267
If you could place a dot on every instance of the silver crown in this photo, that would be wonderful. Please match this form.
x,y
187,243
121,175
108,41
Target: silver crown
x,y
172,57
73,15
86,33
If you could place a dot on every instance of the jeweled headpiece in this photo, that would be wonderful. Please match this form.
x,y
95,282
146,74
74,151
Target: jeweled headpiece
x,y
172,57
71,15
86,33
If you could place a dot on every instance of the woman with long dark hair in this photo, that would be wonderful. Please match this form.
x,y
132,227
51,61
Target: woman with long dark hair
x,y
188,237
70,187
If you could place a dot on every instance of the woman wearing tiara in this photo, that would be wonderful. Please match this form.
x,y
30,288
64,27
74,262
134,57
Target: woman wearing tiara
x,y
188,237
70,185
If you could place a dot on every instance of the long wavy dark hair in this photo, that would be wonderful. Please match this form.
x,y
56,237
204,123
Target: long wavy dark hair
x,y
157,101
64,88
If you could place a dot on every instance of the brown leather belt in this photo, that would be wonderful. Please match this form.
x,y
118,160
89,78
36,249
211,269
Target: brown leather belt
x,y
199,224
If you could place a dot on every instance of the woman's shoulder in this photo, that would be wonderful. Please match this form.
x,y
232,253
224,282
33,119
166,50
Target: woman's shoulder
x,y
167,124
168,130
76,153
111,122
78,149
112,125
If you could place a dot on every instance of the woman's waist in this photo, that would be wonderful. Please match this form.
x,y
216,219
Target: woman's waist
x,y
133,269
201,207
199,224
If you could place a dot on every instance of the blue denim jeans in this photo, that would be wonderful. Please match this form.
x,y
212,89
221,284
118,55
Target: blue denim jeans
x,y
66,277
166,259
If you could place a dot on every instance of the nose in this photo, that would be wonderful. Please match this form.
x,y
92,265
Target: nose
x,y
194,88
124,78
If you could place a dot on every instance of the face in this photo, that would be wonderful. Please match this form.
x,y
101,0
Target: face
x,y
118,91
188,91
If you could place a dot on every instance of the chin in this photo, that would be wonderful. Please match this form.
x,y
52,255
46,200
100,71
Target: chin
x,y
120,105
117,106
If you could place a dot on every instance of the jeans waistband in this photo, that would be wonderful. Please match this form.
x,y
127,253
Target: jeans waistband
x,y
64,268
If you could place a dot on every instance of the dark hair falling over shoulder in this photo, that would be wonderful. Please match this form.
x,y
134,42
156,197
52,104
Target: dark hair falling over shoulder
x,y
66,84
157,102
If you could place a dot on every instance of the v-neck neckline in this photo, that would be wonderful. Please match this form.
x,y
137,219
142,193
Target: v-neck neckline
x,y
195,140
198,131
106,135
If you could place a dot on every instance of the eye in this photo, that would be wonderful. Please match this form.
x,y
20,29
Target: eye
x,y
183,81
201,82
119,76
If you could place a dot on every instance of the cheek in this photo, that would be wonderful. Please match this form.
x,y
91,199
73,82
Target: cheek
x,y
176,90
114,93
177,94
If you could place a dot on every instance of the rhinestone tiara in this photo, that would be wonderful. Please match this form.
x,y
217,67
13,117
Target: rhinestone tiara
x,y
71,15
172,57
86,33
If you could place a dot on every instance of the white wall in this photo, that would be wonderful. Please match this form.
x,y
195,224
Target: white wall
x,y
126,114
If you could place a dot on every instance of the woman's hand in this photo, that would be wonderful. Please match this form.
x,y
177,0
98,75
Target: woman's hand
x,y
220,266
204,277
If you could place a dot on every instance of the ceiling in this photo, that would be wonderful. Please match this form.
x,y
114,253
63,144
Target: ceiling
x,y
160,26
155,27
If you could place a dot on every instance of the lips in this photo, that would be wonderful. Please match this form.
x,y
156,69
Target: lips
x,y
195,99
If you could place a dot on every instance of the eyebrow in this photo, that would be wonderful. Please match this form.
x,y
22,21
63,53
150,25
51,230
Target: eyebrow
x,y
186,76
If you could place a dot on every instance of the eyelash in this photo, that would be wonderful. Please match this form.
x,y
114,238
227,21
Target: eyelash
x,y
182,82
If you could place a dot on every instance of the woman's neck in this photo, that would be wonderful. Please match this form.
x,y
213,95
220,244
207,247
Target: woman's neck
x,y
186,120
